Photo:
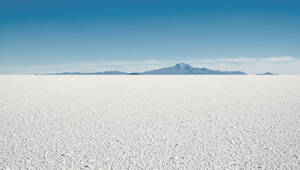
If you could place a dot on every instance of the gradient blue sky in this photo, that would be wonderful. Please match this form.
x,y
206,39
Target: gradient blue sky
x,y
64,35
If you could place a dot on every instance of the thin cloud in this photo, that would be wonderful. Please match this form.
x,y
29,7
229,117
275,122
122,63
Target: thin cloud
x,y
247,60
280,59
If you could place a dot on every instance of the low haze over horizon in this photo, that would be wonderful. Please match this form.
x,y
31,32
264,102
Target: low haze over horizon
x,y
88,36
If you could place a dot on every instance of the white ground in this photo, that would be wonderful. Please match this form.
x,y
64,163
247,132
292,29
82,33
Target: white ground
x,y
150,122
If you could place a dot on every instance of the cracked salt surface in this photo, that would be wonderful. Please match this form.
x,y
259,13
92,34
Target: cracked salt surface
x,y
149,122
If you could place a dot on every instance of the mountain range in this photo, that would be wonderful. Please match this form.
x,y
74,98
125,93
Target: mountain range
x,y
183,68
93,73
178,69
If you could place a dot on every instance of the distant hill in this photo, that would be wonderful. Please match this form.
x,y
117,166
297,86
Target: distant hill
x,y
267,73
186,69
178,69
93,73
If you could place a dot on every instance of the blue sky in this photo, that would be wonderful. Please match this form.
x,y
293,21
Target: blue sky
x,y
63,35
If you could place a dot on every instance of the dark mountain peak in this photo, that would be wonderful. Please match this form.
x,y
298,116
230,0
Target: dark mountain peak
x,y
182,66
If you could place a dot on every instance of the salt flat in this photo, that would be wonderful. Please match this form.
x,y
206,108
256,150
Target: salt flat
x,y
149,122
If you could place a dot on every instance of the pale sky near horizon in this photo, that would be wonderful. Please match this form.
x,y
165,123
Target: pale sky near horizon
x,y
63,35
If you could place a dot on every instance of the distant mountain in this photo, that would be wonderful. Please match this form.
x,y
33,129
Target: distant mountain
x,y
92,73
267,73
186,69
178,69
114,73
